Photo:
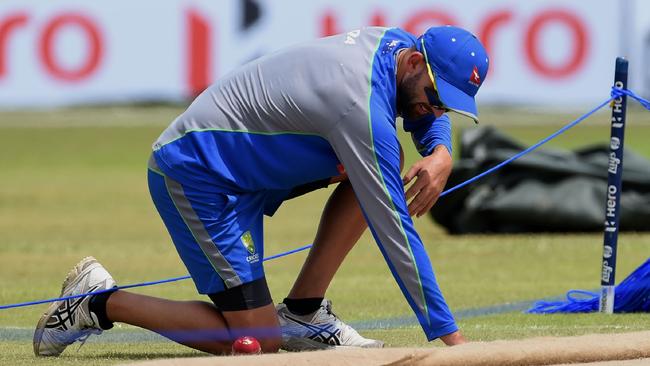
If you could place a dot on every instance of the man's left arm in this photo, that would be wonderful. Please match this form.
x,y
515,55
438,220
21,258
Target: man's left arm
x,y
432,138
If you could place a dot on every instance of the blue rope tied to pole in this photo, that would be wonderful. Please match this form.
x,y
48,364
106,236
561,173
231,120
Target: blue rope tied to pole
x,y
632,294
615,93
526,151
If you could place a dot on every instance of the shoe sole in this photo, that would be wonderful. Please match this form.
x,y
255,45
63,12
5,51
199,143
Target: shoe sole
x,y
77,271
376,344
306,345
298,344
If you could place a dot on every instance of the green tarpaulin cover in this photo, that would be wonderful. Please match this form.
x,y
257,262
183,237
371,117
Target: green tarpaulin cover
x,y
548,190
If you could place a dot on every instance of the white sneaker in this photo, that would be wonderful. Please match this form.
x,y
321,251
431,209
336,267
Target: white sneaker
x,y
70,320
319,330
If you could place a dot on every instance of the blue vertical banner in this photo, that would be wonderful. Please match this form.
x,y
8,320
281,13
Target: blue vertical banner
x,y
613,201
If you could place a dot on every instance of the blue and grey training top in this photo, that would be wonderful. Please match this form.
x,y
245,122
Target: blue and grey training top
x,y
294,117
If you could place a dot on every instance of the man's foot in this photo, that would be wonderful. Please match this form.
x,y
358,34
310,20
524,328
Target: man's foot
x,y
320,330
71,320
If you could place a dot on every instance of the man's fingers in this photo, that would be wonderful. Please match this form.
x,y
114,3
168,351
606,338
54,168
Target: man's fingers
x,y
432,173
417,204
424,200
419,184
420,202
413,190
422,192
427,207
412,172
431,201
412,208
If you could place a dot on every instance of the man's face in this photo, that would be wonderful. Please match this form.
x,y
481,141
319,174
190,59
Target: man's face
x,y
412,100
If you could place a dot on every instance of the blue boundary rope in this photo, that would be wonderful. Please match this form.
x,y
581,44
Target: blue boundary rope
x,y
526,151
615,93
620,92
142,284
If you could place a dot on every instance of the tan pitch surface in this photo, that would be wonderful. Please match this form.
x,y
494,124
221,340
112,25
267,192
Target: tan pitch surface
x,y
534,351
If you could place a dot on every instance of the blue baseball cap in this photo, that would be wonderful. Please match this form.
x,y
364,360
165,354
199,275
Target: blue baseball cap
x,y
457,64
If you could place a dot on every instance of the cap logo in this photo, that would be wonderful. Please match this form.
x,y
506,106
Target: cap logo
x,y
475,79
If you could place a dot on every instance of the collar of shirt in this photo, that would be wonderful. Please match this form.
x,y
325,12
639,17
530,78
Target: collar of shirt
x,y
399,52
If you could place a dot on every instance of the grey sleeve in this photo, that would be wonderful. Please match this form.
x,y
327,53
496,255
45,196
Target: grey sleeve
x,y
367,145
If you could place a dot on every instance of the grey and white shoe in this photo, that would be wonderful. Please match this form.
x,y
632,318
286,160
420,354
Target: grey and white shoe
x,y
319,330
68,321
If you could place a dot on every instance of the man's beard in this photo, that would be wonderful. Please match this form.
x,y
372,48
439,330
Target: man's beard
x,y
406,92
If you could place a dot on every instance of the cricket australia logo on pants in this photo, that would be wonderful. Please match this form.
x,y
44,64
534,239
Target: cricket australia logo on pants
x,y
247,241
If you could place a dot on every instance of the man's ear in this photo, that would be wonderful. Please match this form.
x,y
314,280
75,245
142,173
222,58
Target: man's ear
x,y
415,61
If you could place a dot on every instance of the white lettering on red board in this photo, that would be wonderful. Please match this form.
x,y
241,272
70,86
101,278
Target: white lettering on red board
x,y
200,40
47,56
533,28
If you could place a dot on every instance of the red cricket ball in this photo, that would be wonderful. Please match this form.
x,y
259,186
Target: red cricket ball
x,y
246,346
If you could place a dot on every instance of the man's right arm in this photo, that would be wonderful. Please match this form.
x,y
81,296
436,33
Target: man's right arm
x,y
429,132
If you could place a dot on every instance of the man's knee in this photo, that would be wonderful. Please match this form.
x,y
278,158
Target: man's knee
x,y
260,322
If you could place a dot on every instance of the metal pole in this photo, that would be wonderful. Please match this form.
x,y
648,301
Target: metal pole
x,y
613,202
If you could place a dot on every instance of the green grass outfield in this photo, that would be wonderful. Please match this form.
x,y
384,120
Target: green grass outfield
x,y
73,183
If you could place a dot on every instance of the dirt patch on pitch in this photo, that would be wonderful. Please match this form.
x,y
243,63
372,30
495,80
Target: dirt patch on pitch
x,y
534,351
637,362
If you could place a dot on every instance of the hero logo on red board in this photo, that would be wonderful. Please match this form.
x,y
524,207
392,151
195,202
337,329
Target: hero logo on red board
x,y
492,22
199,43
199,47
47,36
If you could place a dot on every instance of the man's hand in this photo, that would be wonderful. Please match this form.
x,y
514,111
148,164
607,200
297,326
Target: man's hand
x,y
432,172
453,339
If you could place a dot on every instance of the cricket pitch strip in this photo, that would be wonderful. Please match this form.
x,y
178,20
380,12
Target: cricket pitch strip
x,y
593,349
